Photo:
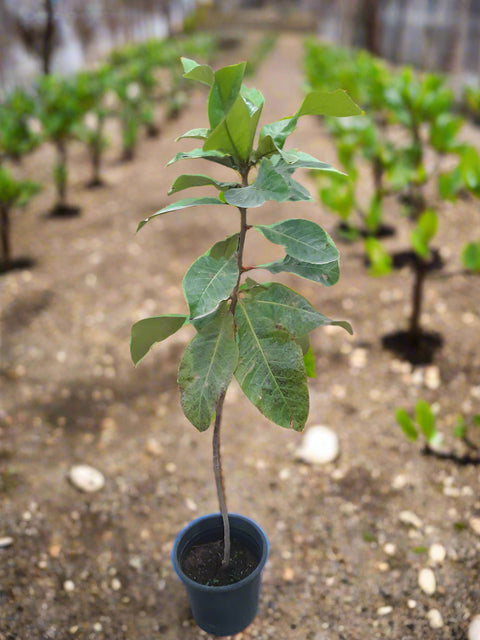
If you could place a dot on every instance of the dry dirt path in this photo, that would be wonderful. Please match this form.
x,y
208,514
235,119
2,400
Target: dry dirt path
x,y
70,394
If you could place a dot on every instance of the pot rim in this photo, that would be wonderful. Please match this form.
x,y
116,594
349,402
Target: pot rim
x,y
224,588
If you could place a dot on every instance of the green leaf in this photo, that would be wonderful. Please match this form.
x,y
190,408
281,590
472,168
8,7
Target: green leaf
x,y
450,183
210,280
188,180
283,308
470,169
321,103
326,274
426,420
471,256
272,137
270,369
224,91
423,232
213,156
406,423
301,160
199,72
206,369
235,133
200,133
303,240
181,204
380,260
147,332
269,185
309,362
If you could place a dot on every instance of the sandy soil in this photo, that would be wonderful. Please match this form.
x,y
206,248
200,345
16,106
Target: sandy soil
x,y
345,559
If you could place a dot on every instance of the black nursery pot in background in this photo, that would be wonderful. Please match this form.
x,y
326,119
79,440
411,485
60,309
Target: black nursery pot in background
x,y
222,610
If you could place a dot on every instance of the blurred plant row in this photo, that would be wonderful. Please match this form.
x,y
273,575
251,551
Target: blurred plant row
x,y
405,158
59,110
410,148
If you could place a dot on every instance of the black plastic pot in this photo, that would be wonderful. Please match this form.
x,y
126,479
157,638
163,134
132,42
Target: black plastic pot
x,y
224,610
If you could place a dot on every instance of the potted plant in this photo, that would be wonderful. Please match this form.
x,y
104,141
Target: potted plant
x,y
258,333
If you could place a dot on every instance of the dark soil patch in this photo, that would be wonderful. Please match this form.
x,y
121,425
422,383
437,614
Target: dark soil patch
x,y
349,234
17,264
419,350
64,211
408,258
203,563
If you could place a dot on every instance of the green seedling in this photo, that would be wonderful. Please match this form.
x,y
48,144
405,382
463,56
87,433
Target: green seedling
x,y
13,194
423,423
255,332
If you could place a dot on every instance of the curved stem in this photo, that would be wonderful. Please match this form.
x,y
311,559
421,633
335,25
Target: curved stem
x,y
217,469
217,458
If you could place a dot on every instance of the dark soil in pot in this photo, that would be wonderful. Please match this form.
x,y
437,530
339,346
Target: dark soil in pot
x,y
417,350
203,563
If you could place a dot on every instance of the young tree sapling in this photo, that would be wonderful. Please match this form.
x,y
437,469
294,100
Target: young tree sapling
x,y
257,332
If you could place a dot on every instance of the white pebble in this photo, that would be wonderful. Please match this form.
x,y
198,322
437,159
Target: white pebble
x,y
116,584
474,628
69,586
411,604
432,377
7,541
390,549
435,619
358,358
86,478
427,582
320,445
98,627
384,611
410,518
437,552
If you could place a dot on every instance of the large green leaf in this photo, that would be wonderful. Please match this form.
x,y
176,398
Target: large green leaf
x,y
268,185
206,369
303,240
235,133
283,308
321,103
224,91
181,204
270,368
211,278
272,137
147,332
326,274
301,160
188,180
199,72
213,156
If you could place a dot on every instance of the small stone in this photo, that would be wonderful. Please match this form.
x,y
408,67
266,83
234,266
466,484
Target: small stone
x,y
427,582
437,553
153,448
288,574
432,377
390,549
474,628
475,525
383,567
411,604
320,445
191,504
86,478
6,541
410,519
98,627
358,358
116,584
384,611
435,619
69,586
54,550
170,467
400,481
284,474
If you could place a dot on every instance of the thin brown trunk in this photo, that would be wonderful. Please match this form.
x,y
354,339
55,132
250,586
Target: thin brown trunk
x,y
48,37
5,237
417,300
219,482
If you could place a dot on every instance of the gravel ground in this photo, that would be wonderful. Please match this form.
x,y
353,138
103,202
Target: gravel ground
x,y
381,543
